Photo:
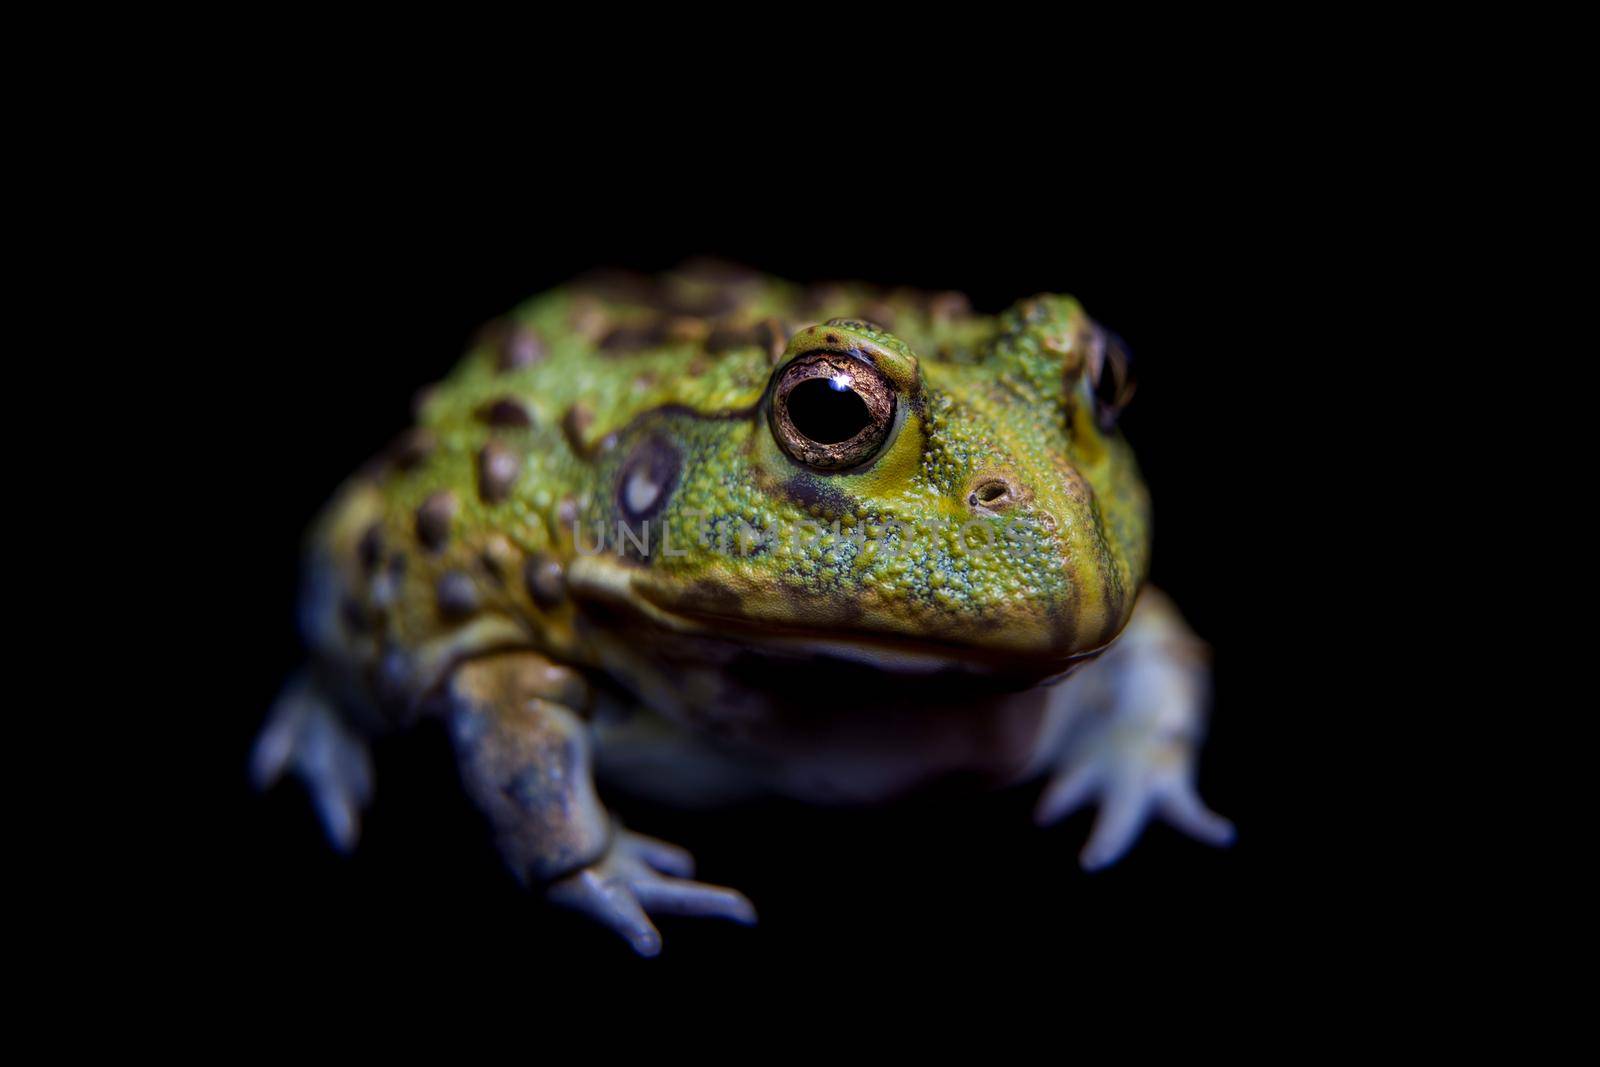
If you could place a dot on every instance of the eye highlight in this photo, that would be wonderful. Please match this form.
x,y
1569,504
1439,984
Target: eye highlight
x,y
831,411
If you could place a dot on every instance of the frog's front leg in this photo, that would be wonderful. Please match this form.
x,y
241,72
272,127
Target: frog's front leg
x,y
1131,725
525,758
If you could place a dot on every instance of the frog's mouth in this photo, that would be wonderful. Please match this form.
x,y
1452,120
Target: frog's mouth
x,y
1025,652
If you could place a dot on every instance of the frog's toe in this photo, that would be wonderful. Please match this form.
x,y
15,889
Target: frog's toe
x,y
305,734
680,896
628,885
1127,796
1065,794
611,902
1184,809
662,855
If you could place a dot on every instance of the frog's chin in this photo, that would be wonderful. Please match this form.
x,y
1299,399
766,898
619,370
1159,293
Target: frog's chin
x,y
603,582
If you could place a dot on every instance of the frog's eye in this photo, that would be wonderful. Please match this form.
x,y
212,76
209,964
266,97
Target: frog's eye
x,y
1113,381
831,411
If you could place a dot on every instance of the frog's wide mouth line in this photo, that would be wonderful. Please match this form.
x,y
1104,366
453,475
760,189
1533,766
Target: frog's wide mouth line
x,y
615,587
889,652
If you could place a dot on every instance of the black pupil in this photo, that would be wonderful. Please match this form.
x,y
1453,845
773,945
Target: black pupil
x,y
825,414
1107,390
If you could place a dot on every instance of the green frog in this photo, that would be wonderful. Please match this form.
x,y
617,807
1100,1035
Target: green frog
x,y
712,535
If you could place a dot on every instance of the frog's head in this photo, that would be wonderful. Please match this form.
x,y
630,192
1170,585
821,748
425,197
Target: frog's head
x,y
979,509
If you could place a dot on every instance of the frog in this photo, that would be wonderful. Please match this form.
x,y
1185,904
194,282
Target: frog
x,y
708,536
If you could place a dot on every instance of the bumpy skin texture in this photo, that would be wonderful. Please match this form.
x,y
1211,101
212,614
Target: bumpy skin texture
x,y
991,535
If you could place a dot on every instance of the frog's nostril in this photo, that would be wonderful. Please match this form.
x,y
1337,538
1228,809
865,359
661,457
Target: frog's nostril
x,y
994,492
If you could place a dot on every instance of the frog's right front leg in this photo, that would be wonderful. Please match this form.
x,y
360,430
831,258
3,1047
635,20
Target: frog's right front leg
x,y
525,759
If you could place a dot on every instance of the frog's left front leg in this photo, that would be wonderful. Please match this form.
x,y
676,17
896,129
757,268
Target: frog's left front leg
x,y
525,756
1130,728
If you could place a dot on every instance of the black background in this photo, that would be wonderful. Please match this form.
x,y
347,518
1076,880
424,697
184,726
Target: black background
x,y
344,292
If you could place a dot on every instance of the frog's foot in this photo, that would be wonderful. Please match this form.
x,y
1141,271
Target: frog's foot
x,y
306,734
1138,716
640,876
1131,781
526,758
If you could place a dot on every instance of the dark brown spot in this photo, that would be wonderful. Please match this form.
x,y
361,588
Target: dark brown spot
x,y
411,448
434,518
498,467
832,338
520,346
681,328
370,549
704,301
507,411
457,594
630,338
545,580
575,424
